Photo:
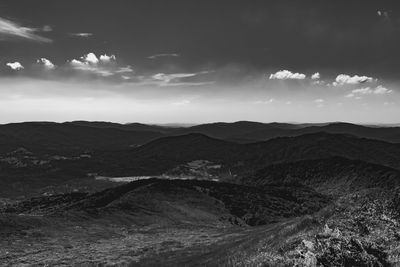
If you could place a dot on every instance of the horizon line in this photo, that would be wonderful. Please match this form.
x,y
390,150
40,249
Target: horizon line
x,y
190,124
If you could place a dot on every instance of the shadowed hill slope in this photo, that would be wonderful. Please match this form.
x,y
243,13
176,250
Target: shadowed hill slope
x,y
163,154
322,145
333,175
55,136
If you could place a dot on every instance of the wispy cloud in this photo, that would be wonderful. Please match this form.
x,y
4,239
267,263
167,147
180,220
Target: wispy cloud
x,y
163,55
12,30
177,79
183,102
266,102
379,90
320,102
47,28
171,77
187,84
81,34
287,75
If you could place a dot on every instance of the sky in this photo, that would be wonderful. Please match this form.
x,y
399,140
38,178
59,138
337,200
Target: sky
x,y
186,61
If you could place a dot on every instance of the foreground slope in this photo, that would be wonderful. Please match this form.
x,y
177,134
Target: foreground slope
x,y
192,223
138,221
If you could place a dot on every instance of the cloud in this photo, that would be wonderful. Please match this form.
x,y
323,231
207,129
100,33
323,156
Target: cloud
x,y
183,102
81,34
87,66
171,77
47,28
320,102
315,76
10,29
46,63
106,59
15,65
163,55
90,58
379,90
125,69
317,82
175,79
287,75
344,79
268,101
384,14
90,67
104,66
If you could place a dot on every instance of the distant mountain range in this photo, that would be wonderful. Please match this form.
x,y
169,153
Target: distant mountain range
x,y
83,135
245,132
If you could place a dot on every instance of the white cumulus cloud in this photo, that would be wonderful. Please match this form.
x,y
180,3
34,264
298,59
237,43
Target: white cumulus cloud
x,y
105,65
315,76
46,63
90,58
343,79
15,65
105,58
287,75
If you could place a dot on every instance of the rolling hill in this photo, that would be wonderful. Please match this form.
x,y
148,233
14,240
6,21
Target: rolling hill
x,y
69,137
245,132
172,200
156,157
334,175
